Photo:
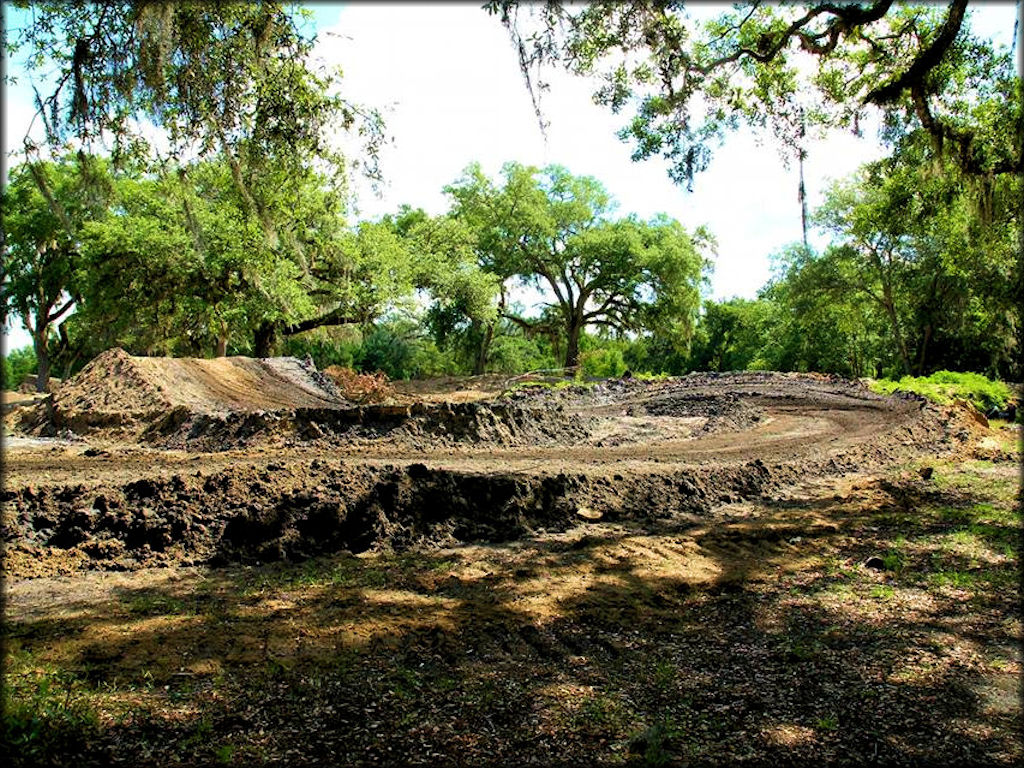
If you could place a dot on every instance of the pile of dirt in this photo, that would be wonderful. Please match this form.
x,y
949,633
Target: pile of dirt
x,y
439,424
233,402
722,412
120,392
259,513
291,505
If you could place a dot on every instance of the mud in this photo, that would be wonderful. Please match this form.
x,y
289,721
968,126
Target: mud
x,y
262,513
446,423
209,474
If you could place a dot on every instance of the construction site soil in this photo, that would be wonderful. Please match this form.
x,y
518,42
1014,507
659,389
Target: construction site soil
x,y
152,461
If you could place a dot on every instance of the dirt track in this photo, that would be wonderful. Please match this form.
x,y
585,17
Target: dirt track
x,y
745,569
307,479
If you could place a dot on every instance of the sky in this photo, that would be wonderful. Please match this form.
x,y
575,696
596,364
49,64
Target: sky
x,y
448,82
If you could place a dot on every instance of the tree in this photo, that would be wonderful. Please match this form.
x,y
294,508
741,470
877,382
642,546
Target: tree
x,y
210,76
45,207
731,334
462,317
230,82
915,245
552,230
781,66
817,320
179,263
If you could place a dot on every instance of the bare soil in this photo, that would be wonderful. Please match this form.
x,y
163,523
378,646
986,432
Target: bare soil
x,y
226,562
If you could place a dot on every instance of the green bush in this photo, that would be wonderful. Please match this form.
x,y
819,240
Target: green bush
x,y
18,364
518,354
323,351
603,363
946,386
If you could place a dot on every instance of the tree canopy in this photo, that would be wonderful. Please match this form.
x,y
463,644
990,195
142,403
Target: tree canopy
x,y
553,230
790,68
45,208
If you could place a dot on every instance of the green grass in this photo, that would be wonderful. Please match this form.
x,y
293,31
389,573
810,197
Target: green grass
x,y
47,710
945,386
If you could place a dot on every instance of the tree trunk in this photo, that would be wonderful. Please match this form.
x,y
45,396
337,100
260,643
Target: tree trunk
x,y
480,365
924,348
264,339
894,319
42,349
572,346
222,340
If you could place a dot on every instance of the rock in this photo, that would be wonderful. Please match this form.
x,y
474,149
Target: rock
x,y
875,563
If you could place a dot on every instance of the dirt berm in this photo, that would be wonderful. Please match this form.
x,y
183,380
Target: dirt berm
x,y
229,402
270,462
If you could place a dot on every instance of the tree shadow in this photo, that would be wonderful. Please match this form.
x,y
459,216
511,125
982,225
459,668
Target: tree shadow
x,y
764,641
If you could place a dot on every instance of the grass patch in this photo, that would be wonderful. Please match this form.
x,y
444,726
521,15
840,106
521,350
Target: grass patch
x,y
47,711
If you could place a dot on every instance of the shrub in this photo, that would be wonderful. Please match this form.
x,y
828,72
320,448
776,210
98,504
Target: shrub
x,y
18,364
603,363
946,386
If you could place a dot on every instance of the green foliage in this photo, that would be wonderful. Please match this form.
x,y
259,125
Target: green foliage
x,y
910,244
17,364
731,335
46,715
326,346
401,349
946,386
237,78
787,68
814,322
553,231
45,208
603,363
513,352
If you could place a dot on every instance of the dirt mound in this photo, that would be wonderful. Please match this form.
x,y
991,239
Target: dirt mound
x,y
440,424
275,511
119,391
455,472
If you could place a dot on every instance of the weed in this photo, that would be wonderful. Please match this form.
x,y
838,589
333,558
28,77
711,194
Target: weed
x,y
892,561
952,578
664,675
601,713
827,723
651,744
147,605
225,753
798,650
47,713
882,592
946,386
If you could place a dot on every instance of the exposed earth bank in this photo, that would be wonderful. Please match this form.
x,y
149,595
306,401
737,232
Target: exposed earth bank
x,y
160,462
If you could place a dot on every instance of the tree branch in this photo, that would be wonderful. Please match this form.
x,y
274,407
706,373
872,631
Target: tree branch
x,y
926,60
